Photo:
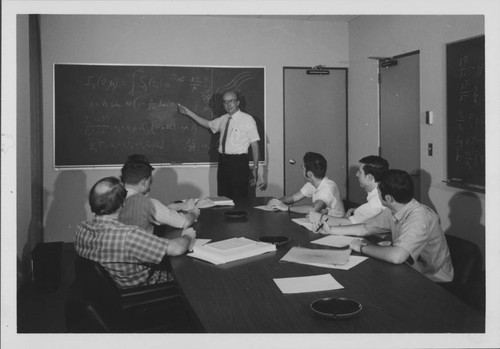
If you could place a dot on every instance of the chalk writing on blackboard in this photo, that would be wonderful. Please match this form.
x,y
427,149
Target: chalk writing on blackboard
x,y
104,113
466,112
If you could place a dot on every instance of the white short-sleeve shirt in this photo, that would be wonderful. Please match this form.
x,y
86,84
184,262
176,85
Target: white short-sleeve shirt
x,y
371,208
241,133
327,192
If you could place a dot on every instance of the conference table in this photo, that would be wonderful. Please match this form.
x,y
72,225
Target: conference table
x,y
242,297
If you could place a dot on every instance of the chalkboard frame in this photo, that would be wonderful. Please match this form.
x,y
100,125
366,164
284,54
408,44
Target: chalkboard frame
x,y
461,100
212,161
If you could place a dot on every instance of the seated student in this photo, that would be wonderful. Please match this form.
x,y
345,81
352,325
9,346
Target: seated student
x,y
324,191
145,212
186,205
127,252
371,169
417,237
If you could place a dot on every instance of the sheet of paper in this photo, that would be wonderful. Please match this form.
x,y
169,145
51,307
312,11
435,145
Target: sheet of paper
x,y
303,222
335,240
318,256
265,208
353,261
308,284
231,244
201,242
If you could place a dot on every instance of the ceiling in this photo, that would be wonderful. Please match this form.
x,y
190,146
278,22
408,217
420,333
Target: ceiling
x,y
318,18
324,18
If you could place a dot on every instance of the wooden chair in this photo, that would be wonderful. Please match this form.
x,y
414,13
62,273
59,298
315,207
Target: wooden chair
x,y
97,304
468,282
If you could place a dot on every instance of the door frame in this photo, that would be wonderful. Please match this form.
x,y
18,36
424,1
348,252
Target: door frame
x,y
285,161
411,53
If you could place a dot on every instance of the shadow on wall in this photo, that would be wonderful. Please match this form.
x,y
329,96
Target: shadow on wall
x,y
68,208
425,185
166,188
356,193
465,218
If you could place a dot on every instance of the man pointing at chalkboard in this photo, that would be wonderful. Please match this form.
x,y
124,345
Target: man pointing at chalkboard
x,y
238,132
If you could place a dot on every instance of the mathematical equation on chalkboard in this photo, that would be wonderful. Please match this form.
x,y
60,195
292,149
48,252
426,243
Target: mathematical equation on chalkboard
x,y
105,113
466,112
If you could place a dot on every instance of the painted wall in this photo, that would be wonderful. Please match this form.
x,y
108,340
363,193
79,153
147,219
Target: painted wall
x,y
461,213
176,40
23,153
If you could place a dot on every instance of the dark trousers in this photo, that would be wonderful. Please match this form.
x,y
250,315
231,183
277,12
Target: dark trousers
x,y
233,176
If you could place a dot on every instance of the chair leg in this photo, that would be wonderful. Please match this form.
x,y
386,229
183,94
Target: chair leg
x,y
83,317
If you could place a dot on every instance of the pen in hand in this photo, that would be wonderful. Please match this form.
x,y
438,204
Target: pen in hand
x,y
321,225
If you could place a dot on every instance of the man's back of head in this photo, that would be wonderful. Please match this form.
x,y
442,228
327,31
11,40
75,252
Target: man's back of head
x,y
375,165
316,164
135,169
398,184
107,196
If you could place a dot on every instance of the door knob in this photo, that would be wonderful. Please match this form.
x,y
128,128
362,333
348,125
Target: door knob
x,y
292,161
415,173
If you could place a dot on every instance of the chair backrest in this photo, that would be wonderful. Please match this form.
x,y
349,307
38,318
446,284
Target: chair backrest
x,y
96,284
466,259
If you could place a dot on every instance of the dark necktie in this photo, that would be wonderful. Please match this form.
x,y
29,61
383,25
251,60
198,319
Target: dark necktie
x,y
224,137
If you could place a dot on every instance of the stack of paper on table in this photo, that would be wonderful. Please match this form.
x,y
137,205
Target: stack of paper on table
x,y
214,201
229,250
336,259
222,201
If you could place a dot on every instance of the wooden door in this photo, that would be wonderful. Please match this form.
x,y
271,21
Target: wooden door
x,y
315,120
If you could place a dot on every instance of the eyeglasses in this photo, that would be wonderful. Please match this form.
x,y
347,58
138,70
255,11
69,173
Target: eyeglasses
x,y
231,101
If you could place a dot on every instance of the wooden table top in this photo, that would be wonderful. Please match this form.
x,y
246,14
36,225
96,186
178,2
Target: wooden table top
x,y
241,296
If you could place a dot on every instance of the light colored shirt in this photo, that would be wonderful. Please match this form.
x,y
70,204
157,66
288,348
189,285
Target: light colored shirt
x,y
242,132
327,192
125,251
371,208
145,212
416,228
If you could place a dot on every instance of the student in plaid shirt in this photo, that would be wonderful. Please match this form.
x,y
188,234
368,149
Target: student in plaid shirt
x,y
127,252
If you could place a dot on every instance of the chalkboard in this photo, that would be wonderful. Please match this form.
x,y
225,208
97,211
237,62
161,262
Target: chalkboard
x,y
104,113
466,113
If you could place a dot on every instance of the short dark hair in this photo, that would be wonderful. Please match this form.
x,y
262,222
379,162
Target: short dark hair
x,y
315,163
138,158
107,196
398,184
375,165
136,168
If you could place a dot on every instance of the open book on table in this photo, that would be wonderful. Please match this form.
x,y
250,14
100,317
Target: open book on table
x,y
229,250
